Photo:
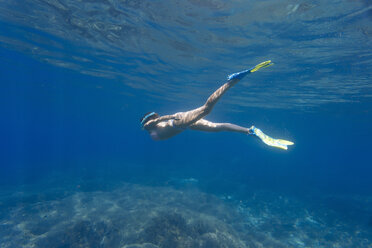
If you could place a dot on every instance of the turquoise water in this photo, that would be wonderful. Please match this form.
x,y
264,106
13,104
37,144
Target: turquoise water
x,y
76,169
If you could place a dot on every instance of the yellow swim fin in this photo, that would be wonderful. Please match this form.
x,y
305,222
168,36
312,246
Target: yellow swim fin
x,y
279,143
286,142
261,65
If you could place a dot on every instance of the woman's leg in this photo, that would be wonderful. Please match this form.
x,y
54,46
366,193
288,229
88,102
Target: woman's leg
x,y
207,126
186,119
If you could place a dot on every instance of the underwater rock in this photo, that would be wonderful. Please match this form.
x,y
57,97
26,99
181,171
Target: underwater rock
x,y
81,234
145,245
370,222
167,230
173,230
135,216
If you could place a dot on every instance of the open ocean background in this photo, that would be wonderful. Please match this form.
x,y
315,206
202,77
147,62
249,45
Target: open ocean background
x,y
76,170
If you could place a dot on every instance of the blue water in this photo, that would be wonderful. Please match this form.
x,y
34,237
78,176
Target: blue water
x,y
76,77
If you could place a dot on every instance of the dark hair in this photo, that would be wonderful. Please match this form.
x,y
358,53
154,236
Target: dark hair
x,y
145,119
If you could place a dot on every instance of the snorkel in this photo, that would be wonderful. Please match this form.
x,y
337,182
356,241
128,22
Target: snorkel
x,y
145,119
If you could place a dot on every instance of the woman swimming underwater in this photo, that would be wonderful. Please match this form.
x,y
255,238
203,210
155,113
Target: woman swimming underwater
x,y
164,127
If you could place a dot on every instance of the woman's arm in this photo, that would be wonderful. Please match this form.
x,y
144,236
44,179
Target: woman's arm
x,y
160,119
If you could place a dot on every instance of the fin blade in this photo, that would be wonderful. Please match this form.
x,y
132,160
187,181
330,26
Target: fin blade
x,y
262,65
278,143
286,142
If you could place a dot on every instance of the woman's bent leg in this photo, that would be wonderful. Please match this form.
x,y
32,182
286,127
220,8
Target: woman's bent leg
x,y
188,118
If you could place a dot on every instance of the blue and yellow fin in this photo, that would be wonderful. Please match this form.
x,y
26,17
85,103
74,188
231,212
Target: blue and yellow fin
x,y
240,75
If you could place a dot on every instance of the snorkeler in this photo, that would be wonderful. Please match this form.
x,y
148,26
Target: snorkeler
x,y
164,127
